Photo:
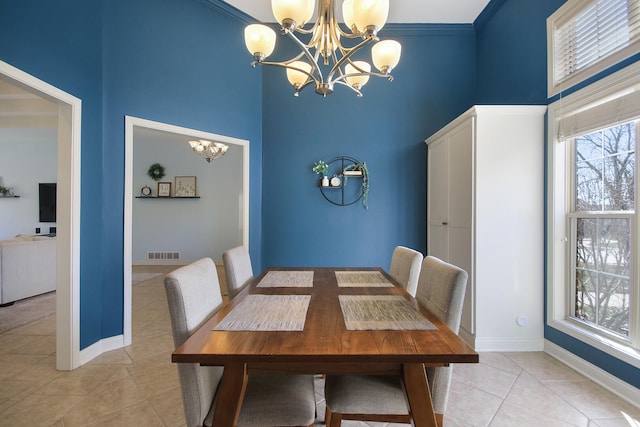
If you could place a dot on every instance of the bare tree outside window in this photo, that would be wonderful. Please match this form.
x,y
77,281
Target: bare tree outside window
x,y
604,193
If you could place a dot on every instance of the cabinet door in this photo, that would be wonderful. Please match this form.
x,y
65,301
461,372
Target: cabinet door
x,y
438,200
461,212
450,207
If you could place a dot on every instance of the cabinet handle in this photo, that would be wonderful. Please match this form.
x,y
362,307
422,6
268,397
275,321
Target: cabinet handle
x,y
445,223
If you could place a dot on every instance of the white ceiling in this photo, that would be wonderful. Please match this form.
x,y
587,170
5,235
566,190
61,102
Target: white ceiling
x,y
400,11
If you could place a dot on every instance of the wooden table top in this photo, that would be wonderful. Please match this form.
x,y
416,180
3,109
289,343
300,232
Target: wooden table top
x,y
325,339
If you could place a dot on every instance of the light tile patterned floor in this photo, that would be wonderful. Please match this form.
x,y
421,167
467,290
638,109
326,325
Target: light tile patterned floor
x,y
138,385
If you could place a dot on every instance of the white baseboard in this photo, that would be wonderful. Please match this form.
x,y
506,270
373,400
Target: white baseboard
x,y
502,344
170,262
497,344
599,376
96,349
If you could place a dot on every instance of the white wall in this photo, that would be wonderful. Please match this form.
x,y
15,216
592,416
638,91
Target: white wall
x,y
196,228
27,157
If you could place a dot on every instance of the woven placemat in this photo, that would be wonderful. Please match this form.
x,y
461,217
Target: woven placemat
x,y
363,279
381,312
287,279
267,313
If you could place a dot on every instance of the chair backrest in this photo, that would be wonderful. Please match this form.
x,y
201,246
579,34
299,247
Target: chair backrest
x,y
193,294
441,290
405,268
237,269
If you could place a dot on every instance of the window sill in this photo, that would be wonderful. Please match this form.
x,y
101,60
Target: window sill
x,y
616,349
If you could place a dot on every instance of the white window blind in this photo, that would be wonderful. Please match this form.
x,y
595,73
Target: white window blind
x,y
587,36
619,107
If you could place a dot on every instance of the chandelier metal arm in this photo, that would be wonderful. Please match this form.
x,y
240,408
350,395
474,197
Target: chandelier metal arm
x,y
342,82
346,55
286,64
305,51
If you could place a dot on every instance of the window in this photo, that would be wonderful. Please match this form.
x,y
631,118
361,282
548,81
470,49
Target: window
x,y
593,256
587,36
600,222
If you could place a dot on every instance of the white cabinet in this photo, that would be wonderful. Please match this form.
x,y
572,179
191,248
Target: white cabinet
x,y
485,207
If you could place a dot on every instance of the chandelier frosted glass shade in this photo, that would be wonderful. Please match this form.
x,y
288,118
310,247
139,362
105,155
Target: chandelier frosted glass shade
x,y
298,73
386,55
260,40
326,58
358,73
301,11
208,149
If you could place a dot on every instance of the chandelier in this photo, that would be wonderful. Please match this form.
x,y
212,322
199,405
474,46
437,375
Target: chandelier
x,y
208,149
364,18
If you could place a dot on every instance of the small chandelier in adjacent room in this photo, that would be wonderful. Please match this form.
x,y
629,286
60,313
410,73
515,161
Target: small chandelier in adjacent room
x,y
364,18
208,149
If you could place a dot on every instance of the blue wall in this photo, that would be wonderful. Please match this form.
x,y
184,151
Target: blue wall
x,y
60,43
512,69
149,59
512,51
386,128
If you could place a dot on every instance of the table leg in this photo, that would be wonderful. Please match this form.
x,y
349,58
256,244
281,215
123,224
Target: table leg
x,y
230,395
417,386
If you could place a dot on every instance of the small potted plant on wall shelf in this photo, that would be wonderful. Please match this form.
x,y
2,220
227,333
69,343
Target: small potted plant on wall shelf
x,y
321,168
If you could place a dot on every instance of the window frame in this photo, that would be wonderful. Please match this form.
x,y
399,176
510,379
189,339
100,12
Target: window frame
x,y
567,12
559,203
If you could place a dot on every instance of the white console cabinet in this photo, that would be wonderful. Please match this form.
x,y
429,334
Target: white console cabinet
x,y
485,214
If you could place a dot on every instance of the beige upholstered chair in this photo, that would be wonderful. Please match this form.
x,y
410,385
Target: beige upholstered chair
x,y
405,268
237,269
193,292
441,289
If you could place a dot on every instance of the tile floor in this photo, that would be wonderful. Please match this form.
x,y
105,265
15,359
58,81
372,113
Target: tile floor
x,y
138,385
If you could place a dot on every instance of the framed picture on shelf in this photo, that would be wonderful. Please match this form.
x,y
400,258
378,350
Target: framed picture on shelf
x,y
185,186
164,189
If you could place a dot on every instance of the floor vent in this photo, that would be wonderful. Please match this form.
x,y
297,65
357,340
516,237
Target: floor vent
x,y
163,255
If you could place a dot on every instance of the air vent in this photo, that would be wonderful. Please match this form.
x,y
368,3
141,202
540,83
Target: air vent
x,y
163,256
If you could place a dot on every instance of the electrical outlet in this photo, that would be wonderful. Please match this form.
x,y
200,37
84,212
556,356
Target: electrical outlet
x,y
37,230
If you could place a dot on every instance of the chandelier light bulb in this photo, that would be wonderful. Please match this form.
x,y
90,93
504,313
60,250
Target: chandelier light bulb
x,y
260,40
386,55
370,13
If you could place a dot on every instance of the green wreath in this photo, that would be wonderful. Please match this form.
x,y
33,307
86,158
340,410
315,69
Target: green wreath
x,y
156,171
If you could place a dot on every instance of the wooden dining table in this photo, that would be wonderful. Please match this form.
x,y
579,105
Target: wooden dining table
x,y
323,321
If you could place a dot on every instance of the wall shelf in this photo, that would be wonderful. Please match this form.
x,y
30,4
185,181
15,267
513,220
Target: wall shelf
x,y
9,197
337,168
171,197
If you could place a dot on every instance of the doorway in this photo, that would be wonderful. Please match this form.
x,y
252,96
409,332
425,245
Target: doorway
x,y
134,127
68,212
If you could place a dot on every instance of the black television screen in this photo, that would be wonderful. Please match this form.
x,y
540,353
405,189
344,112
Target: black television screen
x,y
47,202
